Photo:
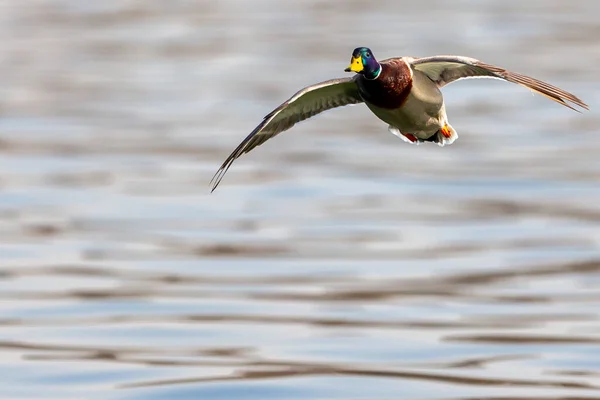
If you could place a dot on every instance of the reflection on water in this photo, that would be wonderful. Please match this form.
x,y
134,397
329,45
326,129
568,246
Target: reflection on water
x,y
334,262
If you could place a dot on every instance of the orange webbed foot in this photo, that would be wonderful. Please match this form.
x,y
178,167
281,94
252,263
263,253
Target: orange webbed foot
x,y
446,131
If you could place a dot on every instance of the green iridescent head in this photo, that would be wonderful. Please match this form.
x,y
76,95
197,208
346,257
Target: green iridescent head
x,y
363,62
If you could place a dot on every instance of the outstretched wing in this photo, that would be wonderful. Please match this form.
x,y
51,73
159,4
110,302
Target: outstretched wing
x,y
304,104
447,69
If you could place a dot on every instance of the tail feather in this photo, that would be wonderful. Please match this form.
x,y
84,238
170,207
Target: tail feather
x,y
445,136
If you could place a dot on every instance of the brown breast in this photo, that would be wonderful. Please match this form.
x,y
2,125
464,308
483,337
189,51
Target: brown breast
x,y
392,87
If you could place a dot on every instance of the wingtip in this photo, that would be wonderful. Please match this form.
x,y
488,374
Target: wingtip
x,y
214,182
582,107
220,174
579,103
216,179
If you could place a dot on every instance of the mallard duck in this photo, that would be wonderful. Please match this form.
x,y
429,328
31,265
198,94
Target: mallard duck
x,y
403,92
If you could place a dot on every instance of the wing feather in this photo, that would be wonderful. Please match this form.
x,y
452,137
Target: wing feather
x,y
447,69
306,103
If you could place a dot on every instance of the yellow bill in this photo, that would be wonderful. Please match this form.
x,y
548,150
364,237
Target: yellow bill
x,y
356,65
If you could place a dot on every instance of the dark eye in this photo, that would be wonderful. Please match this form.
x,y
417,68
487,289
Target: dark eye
x,y
368,55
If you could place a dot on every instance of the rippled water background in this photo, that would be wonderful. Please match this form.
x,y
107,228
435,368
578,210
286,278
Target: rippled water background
x,y
335,261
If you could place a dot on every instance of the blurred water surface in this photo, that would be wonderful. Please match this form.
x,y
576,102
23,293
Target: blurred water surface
x,y
335,261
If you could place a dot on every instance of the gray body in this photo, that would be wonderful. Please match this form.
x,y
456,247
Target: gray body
x,y
423,114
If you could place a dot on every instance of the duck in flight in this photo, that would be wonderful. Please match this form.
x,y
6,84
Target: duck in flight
x,y
403,92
